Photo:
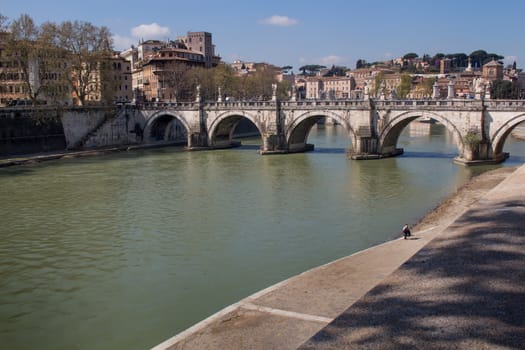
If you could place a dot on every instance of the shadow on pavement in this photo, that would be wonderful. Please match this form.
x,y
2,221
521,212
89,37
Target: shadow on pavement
x,y
464,290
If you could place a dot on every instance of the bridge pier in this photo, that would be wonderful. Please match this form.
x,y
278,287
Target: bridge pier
x,y
197,141
367,148
273,144
479,154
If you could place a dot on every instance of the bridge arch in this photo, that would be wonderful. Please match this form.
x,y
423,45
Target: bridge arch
x,y
500,136
297,132
220,131
165,126
390,132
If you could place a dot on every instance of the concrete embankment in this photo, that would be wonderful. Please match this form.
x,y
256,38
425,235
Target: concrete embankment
x,y
317,303
45,156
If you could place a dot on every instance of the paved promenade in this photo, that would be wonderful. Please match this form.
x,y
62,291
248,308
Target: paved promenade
x,y
464,290
457,283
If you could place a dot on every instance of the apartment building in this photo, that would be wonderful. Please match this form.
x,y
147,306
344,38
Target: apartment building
x,y
23,78
201,42
329,87
156,65
12,86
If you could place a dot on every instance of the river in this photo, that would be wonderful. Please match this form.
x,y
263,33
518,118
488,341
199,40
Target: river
x,y
126,250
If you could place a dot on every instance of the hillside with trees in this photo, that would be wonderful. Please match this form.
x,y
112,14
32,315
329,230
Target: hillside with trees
x,y
413,63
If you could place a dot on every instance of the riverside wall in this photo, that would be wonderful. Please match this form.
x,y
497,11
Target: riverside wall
x,y
25,132
41,130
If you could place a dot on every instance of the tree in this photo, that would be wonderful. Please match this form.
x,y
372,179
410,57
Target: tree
x,y
378,82
201,76
410,56
285,69
360,63
3,23
504,89
283,89
337,71
311,69
457,60
36,61
427,86
493,56
261,81
405,85
225,78
436,59
88,46
478,57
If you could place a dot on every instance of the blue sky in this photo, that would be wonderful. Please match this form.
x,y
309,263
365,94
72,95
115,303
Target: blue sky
x,y
296,33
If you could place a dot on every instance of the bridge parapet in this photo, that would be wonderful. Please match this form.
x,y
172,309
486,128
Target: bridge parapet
x,y
336,104
445,105
505,105
169,105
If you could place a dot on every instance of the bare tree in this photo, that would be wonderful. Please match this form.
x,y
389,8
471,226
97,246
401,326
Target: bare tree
x,y
33,58
173,77
3,23
89,49
205,78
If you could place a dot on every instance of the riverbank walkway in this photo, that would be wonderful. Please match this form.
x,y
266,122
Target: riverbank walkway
x,y
458,283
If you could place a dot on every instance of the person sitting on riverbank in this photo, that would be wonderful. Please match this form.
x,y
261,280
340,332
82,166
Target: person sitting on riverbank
x,y
406,231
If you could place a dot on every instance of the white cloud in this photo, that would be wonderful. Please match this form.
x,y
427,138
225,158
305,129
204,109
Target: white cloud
x,y
510,59
282,21
150,31
122,42
143,31
331,60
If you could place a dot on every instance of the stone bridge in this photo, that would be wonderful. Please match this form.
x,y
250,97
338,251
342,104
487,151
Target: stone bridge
x,y
479,127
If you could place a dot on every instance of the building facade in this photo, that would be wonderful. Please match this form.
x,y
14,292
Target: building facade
x,y
157,66
201,42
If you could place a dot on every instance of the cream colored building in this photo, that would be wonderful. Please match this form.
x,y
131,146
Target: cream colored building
x,y
329,87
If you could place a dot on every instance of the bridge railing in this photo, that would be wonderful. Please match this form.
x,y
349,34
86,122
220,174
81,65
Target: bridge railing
x,y
430,103
168,105
238,104
505,104
342,103
330,103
